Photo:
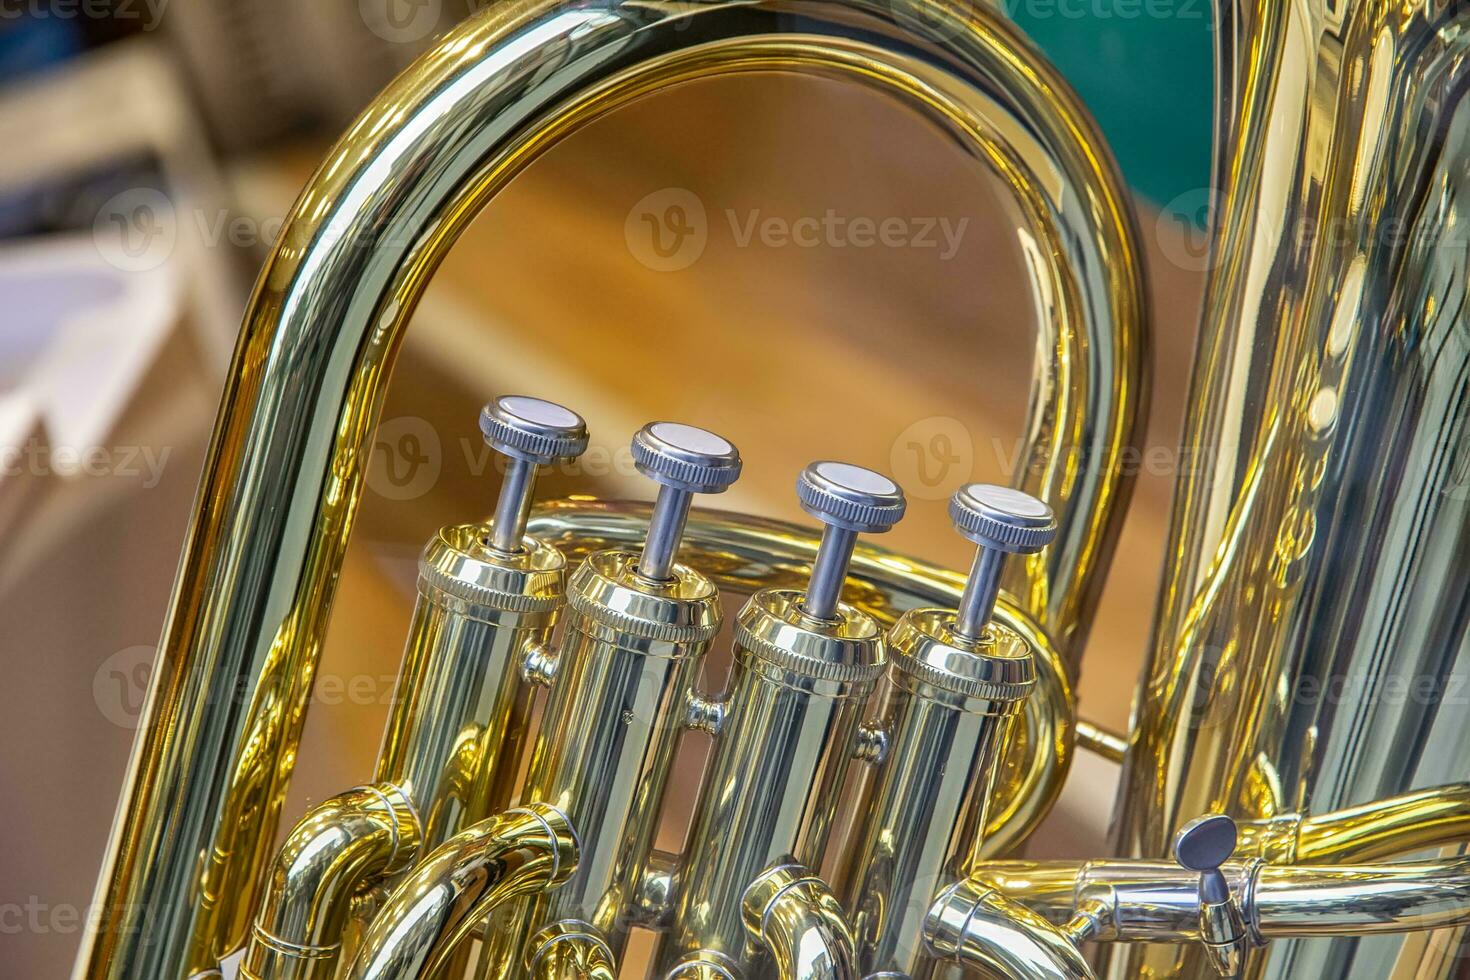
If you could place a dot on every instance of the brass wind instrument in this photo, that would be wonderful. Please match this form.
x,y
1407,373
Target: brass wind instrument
x,y
1296,726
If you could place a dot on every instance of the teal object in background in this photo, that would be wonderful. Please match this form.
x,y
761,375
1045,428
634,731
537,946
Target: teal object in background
x,y
1145,68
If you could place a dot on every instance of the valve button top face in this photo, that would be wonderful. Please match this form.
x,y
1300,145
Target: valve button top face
x,y
686,457
850,497
533,429
1002,518
1205,843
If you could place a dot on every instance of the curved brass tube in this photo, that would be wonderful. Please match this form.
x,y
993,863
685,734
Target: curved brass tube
x,y
570,951
1405,824
351,840
284,475
1136,901
794,916
432,910
975,924
741,553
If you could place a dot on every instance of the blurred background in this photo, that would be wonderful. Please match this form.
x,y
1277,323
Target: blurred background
x,y
149,151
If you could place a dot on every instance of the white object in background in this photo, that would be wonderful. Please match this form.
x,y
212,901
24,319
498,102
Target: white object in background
x,y
79,339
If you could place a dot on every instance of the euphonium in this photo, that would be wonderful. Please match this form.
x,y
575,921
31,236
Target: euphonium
x,y
1295,723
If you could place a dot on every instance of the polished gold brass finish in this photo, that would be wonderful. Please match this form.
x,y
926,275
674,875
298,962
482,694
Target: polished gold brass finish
x,y
951,707
618,703
570,951
792,914
797,697
1312,642
336,852
974,924
193,843
518,852
742,554
461,710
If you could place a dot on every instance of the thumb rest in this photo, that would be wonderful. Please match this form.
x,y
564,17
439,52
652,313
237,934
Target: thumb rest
x,y
1311,346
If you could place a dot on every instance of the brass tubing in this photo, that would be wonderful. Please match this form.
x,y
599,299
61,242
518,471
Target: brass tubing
x,y
1143,901
1362,900
790,732
630,656
284,474
338,850
1399,825
570,951
1312,635
951,705
794,915
742,553
432,910
975,925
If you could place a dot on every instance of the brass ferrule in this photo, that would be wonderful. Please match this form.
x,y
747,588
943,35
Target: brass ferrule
x,y
788,736
570,950
630,656
339,850
974,924
518,852
796,918
951,707
456,734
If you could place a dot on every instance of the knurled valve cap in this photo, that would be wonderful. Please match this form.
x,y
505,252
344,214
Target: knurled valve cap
x,y
850,497
849,500
1002,522
533,429
1001,518
684,460
685,457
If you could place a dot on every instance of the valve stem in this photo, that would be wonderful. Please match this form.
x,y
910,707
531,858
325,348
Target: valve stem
x,y
1002,522
849,500
530,433
683,460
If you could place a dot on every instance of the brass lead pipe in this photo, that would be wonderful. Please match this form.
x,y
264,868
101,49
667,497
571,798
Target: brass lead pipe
x,y
793,914
294,433
514,853
344,844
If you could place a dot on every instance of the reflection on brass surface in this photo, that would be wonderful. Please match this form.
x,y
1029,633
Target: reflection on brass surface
x,y
1313,637
285,468
742,554
1309,650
